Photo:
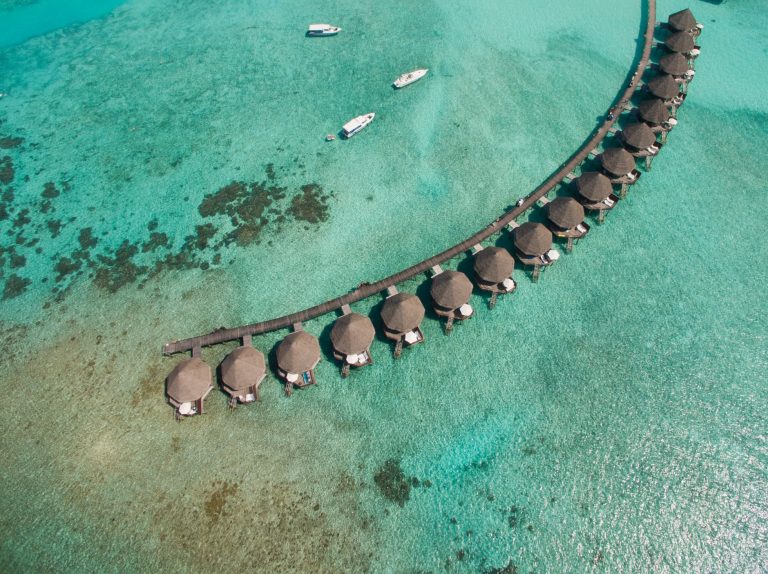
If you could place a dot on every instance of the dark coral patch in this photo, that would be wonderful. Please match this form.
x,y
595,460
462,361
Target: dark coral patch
x,y
15,286
50,190
216,500
392,482
54,226
6,170
86,239
65,267
156,240
22,218
8,143
120,270
311,205
218,202
17,261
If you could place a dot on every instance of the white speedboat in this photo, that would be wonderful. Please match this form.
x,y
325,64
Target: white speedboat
x,y
410,77
322,30
354,125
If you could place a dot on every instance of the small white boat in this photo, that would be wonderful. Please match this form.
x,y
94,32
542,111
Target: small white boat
x,y
322,30
354,125
410,77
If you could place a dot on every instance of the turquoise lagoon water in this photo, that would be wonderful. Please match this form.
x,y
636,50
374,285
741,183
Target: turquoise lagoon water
x,y
611,418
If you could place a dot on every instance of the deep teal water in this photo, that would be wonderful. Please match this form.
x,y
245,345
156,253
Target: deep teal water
x,y
611,418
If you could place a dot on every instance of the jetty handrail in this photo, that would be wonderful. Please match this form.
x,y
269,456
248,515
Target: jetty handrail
x,y
368,290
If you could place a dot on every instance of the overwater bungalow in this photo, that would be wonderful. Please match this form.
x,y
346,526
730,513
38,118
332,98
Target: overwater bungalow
x,y
533,246
402,315
297,357
682,43
640,140
684,21
674,64
351,336
677,66
595,193
450,292
188,385
667,88
493,271
619,165
656,114
566,220
242,372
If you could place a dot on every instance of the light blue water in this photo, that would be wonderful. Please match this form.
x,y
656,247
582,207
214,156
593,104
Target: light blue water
x,y
610,418
24,19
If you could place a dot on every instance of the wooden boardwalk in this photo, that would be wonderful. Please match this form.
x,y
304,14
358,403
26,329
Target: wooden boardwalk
x,y
365,291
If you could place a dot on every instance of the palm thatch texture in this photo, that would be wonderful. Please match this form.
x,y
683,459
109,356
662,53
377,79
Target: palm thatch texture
x,y
533,239
298,353
352,334
189,381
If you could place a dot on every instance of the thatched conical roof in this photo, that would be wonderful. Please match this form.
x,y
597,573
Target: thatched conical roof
x,y
682,21
352,334
654,111
494,264
664,86
675,64
680,42
594,186
402,312
298,352
189,381
617,161
243,368
533,238
638,135
565,212
451,289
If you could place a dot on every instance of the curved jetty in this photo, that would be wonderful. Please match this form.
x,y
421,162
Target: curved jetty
x,y
299,352
364,291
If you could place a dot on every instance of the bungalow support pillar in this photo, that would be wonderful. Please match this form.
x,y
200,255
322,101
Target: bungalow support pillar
x,y
601,216
492,302
648,161
536,271
199,405
345,370
449,326
623,192
399,347
569,245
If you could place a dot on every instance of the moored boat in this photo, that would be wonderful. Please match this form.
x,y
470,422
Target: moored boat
x,y
322,30
354,125
409,78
